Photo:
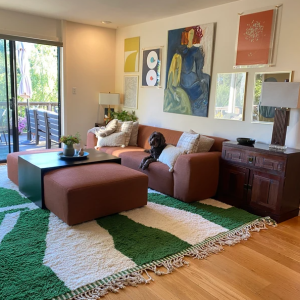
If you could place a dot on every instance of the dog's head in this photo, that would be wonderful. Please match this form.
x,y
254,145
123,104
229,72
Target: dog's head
x,y
156,139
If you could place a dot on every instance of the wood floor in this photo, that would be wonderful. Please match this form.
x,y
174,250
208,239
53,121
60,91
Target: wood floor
x,y
267,266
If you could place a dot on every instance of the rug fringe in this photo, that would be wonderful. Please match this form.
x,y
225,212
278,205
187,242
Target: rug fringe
x,y
200,251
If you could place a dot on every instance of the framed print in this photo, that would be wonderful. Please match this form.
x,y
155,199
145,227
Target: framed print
x,y
151,67
265,114
230,96
188,74
255,41
131,54
131,91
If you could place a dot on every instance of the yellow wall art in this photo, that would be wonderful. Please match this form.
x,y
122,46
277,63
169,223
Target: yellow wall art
x,y
132,53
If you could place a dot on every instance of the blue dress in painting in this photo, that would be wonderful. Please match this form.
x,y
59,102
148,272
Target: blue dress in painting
x,y
193,81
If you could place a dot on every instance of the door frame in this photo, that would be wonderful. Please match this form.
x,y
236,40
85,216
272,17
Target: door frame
x,y
13,100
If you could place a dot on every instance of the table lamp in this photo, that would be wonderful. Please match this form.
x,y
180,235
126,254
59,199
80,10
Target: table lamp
x,y
283,96
109,99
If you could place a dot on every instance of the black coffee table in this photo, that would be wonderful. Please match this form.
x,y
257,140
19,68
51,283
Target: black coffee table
x,y
32,168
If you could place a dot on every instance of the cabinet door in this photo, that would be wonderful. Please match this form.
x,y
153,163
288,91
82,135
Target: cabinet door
x,y
233,185
264,192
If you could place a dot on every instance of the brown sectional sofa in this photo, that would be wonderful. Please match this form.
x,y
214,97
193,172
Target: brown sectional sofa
x,y
195,176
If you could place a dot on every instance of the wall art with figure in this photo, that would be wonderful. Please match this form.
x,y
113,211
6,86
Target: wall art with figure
x,y
189,63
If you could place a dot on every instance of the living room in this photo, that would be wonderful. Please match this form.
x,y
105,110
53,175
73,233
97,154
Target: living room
x,y
92,61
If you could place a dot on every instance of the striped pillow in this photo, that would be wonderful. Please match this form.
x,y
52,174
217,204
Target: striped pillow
x,y
125,126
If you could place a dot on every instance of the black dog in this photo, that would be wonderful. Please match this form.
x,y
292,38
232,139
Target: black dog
x,y
158,143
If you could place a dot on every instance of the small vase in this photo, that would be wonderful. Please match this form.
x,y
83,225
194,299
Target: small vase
x,y
68,150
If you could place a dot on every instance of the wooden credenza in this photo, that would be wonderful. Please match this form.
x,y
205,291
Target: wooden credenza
x,y
262,181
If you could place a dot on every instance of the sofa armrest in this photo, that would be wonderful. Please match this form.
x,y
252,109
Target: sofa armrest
x,y
91,140
196,176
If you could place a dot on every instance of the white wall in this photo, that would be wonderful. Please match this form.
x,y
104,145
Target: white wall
x,y
150,105
89,66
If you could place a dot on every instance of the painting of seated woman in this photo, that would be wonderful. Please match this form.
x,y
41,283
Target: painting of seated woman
x,y
189,61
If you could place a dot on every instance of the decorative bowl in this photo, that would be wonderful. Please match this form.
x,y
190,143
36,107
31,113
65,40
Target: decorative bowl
x,y
75,157
245,141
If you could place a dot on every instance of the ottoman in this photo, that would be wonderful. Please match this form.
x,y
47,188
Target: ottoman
x,y
84,193
12,162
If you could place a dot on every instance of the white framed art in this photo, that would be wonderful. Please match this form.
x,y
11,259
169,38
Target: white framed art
x,y
131,83
230,96
266,114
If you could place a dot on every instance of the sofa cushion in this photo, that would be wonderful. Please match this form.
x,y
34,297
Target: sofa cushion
x,y
160,179
116,151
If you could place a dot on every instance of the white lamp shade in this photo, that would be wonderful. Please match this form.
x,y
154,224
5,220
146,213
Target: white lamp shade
x,y
280,94
109,99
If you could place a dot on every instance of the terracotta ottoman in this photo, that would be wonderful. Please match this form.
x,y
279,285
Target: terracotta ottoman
x,y
84,193
12,162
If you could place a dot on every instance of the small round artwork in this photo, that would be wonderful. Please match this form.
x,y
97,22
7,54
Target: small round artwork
x,y
152,59
151,78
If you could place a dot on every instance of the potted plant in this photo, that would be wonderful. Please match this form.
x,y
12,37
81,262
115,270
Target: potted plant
x,y
69,141
124,115
21,124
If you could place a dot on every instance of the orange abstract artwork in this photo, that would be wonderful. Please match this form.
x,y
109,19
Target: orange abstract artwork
x,y
254,39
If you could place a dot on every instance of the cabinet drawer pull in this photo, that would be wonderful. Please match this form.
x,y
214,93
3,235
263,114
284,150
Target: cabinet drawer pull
x,y
246,186
250,160
249,187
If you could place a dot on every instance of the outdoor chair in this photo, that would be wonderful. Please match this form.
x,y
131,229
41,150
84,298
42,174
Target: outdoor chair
x,y
31,117
42,124
52,130
41,116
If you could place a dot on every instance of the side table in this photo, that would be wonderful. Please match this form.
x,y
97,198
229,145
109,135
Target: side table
x,y
259,180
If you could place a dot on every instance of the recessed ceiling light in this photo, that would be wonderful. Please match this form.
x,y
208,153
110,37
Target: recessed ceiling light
x,y
105,22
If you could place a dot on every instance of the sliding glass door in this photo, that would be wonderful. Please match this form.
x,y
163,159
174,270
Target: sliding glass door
x,y
8,126
29,88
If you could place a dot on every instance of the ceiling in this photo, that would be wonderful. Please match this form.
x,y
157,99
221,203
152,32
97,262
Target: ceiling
x,y
120,12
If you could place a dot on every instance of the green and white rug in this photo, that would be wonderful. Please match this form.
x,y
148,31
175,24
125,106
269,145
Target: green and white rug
x,y
43,258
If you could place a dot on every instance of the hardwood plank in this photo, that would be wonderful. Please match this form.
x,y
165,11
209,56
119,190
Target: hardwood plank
x,y
228,273
266,267
217,287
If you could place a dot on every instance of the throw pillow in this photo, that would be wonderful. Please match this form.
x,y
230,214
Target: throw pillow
x,y
125,126
110,128
205,143
169,156
116,139
189,142
134,134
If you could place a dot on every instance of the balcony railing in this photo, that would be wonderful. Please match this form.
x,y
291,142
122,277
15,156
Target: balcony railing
x,y
50,106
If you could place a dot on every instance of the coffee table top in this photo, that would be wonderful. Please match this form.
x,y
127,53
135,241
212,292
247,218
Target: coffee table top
x,y
51,160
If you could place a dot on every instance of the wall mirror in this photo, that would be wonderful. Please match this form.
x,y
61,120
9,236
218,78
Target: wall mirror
x,y
265,114
230,96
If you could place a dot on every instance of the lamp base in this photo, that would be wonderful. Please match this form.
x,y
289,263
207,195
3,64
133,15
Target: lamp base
x,y
277,147
281,121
